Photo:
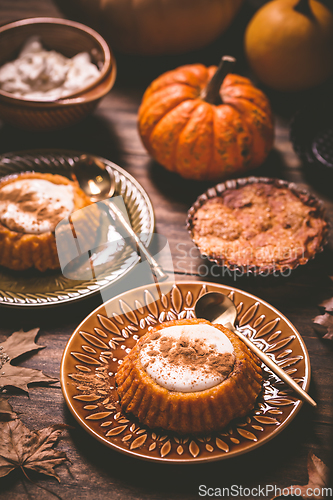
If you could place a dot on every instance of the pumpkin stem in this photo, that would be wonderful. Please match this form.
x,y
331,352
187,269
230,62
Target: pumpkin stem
x,y
303,7
211,93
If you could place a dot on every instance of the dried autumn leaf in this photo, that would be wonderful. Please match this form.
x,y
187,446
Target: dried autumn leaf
x,y
327,305
323,325
16,376
22,448
318,479
6,411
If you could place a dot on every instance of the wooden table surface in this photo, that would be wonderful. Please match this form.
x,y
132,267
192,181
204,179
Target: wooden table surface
x,y
97,472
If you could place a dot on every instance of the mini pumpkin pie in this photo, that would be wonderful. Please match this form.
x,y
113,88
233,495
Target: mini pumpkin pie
x,y
258,224
189,376
31,206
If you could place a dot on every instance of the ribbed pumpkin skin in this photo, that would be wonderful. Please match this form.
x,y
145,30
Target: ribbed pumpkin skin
x,y
204,141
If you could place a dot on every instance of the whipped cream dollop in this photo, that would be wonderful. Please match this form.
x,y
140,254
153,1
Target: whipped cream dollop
x,y
41,74
35,205
188,358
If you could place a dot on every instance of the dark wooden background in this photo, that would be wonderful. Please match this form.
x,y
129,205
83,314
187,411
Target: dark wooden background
x,y
97,472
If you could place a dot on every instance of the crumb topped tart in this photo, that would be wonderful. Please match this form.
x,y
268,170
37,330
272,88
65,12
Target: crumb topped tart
x,y
189,376
258,224
31,206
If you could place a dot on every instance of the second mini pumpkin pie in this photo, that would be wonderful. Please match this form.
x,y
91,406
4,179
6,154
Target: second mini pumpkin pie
x,y
31,206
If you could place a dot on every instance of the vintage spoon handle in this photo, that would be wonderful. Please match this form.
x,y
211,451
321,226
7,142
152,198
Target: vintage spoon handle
x,y
272,365
155,267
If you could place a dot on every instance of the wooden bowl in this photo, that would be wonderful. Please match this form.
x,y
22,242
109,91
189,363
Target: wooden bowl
x,y
68,38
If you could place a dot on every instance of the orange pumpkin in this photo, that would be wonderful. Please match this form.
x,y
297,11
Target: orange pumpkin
x,y
206,124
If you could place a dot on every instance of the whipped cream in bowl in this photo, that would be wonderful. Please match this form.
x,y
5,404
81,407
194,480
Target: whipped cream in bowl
x,y
188,358
44,75
34,206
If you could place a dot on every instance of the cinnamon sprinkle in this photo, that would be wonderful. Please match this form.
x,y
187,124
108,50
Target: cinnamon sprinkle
x,y
193,354
29,202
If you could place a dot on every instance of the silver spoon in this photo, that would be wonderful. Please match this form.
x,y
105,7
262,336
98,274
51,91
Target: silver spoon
x,y
218,308
97,181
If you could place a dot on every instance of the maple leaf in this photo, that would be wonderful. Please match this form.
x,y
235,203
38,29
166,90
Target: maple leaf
x,y
6,411
16,376
318,478
25,449
323,325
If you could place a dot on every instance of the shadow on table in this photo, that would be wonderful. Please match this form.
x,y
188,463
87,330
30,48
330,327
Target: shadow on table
x,y
94,135
177,189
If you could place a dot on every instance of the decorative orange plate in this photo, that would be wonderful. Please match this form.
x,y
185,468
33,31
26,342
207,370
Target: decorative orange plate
x,y
102,340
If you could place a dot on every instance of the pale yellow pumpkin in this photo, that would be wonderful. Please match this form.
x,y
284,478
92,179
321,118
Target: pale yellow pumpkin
x,y
289,44
155,26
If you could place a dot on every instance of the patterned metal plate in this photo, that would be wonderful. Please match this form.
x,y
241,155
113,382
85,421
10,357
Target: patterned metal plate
x,y
34,289
102,340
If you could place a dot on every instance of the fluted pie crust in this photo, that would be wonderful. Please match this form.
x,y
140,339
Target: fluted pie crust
x,y
258,224
20,251
191,412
